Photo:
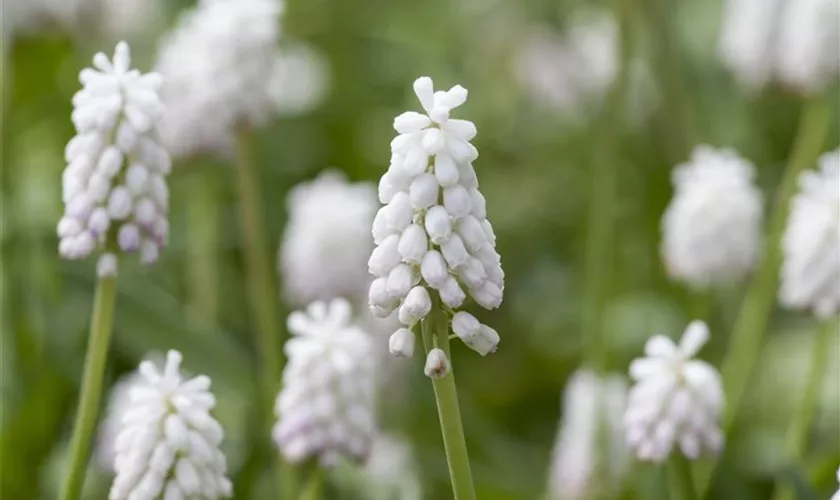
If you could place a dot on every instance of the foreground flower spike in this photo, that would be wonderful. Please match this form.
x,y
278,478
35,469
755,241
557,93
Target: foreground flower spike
x,y
326,407
590,455
433,236
811,242
217,64
676,399
327,240
711,230
168,447
114,187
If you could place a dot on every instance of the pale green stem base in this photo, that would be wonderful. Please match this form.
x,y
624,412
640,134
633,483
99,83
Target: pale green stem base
x,y
753,316
680,477
797,432
262,293
436,334
87,413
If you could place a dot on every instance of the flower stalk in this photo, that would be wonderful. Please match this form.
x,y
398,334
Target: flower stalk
x,y
101,326
797,431
436,335
751,322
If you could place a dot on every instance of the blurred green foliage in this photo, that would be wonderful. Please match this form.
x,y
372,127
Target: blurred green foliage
x,y
534,169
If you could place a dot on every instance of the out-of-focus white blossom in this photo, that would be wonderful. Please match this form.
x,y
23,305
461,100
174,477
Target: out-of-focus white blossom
x,y
711,230
114,185
326,406
327,239
810,276
300,80
168,447
590,455
794,41
677,400
432,235
217,63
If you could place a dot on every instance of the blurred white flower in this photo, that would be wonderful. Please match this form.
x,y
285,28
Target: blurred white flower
x,y
711,230
326,406
327,239
217,63
300,79
676,399
590,454
794,41
115,180
433,235
392,469
168,446
810,275
119,403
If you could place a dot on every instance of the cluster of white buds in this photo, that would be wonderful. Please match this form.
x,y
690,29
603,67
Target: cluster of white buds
x,y
676,399
114,186
590,444
327,239
433,235
811,242
711,230
217,63
326,407
168,447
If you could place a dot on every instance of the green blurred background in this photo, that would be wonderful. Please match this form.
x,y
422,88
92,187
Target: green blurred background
x,y
535,168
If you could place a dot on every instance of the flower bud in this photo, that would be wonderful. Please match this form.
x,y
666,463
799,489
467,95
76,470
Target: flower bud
x,y
416,306
423,191
438,224
451,293
437,364
434,269
413,244
401,343
457,201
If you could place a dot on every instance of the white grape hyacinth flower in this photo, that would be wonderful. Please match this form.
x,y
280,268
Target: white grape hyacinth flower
x,y
326,407
810,274
327,239
114,186
793,41
677,400
432,236
217,64
168,447
590,454
711,230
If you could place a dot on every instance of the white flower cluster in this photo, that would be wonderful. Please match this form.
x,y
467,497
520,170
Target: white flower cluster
x,y
796,41
676,399
217,64
326,406
711,230
114,185
168,447
590,453
810,275
433,233
327,239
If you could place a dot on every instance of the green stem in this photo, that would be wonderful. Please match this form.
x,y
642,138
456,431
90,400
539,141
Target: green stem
x,y
436,334
600,224
261,290
751,322
314,485
681,479
201,266
87,413
797,432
